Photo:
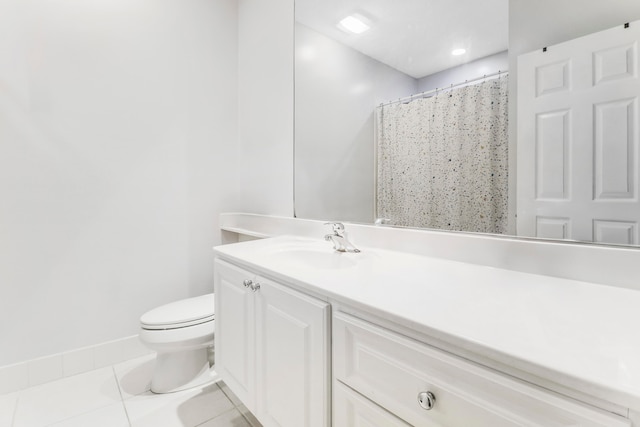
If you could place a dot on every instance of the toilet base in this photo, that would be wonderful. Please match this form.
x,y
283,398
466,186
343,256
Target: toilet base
x,y
181,370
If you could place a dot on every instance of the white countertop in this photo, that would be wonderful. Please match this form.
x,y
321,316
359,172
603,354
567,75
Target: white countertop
x,y
577,334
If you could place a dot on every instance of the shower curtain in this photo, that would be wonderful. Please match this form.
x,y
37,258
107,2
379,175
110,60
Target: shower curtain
x,y
442,161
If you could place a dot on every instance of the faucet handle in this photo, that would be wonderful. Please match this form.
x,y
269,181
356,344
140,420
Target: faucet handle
x,y
338,227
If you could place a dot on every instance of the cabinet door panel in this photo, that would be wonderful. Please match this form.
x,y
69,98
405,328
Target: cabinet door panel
x,y
351,409
234,333
293,358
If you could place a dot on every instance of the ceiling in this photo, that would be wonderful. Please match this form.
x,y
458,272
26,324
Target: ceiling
x,y
414,36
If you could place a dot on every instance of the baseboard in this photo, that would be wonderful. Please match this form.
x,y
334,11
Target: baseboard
x,y
54,367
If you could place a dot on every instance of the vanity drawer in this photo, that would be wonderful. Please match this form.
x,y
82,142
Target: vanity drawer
x,y
350,409
392,370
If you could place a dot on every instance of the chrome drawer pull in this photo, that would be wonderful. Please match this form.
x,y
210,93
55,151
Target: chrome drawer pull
x,y
247,283
427,400
255,287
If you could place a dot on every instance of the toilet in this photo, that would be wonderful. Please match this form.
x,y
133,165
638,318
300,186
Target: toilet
x,y
181,333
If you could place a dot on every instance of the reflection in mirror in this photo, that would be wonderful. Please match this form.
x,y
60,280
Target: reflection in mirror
x,y
442,159
342,78
341,82
578,139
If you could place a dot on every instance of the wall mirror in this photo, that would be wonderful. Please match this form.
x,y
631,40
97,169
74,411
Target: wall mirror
x,y
405,58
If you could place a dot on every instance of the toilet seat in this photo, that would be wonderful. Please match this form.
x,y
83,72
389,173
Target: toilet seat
x,y
180,314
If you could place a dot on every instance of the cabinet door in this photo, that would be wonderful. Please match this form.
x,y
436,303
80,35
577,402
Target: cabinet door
x,y
234,330
351,409
292,364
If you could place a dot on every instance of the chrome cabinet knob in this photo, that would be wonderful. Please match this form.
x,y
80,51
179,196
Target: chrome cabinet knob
x,y
247,283
255,287
427,400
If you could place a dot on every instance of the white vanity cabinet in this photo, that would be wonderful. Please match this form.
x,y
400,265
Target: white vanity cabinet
x,y
419,341
386,373
272,348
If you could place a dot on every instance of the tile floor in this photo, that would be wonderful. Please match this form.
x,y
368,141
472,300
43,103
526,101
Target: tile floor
x,y
119,396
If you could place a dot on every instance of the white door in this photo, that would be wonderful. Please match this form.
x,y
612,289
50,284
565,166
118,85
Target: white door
x,y
292,366
234,331
578,139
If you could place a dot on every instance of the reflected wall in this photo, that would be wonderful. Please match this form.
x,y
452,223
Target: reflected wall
x,y
336,88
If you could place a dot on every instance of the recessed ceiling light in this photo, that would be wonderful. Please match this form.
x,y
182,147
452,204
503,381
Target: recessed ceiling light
x,y
354,24
458,52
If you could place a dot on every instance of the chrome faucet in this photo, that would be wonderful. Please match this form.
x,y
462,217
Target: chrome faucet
x,y
382,221
339,238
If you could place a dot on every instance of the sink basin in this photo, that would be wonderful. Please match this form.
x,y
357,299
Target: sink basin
x,y
320,258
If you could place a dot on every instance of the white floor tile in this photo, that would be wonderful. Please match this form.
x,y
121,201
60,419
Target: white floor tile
x,y
182,409
109,416
134,376
56,401
231,418
7,408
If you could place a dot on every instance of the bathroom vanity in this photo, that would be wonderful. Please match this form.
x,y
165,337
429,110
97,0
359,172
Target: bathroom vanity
x,y
306,336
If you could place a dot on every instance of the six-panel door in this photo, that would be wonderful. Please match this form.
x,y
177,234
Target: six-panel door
x,y
578,139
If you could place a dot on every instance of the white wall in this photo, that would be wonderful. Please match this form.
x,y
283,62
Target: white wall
x,y
118,148
337,91
472,70
265,96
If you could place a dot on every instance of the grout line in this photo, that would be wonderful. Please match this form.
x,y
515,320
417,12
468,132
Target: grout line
x,y
115,376
15,410
126,414
124,407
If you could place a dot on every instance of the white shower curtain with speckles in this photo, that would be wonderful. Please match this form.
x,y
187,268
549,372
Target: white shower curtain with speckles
x,y
442,161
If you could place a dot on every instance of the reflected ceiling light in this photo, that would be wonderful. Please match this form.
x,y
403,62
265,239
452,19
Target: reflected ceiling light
x,y
354,24
458,52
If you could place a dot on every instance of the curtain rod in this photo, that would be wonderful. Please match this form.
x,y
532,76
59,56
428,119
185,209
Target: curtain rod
x,y
438,89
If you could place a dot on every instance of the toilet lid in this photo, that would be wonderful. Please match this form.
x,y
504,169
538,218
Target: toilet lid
x,y
179,314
